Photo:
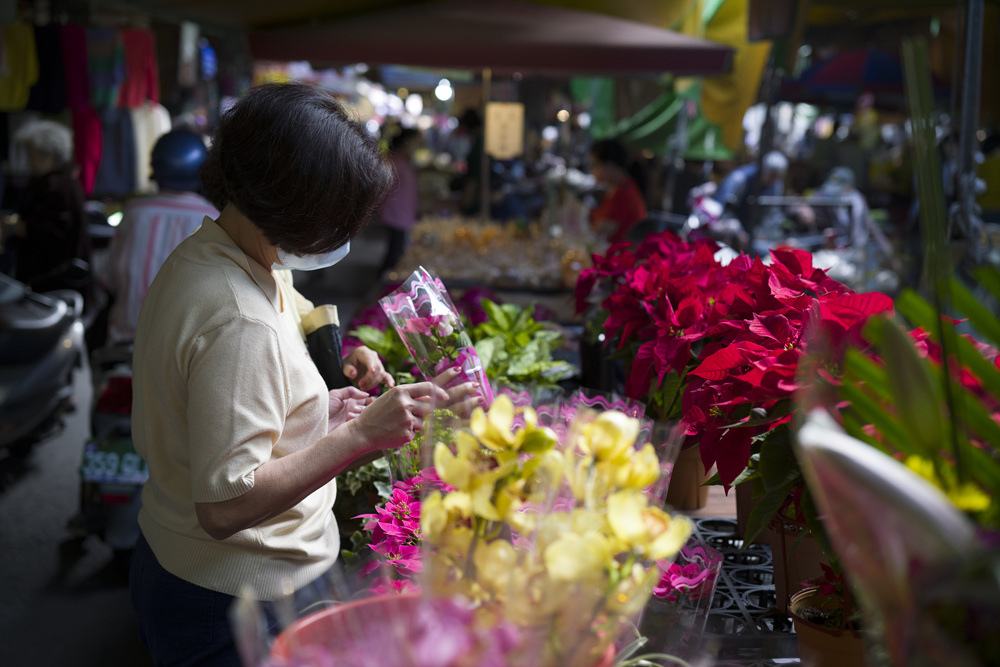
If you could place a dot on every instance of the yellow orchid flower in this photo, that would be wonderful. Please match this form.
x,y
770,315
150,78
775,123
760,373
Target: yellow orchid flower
x,y
494,428
433,517
968,497
494,564
456,469
578,557
611,435
630,594
643,469
649,531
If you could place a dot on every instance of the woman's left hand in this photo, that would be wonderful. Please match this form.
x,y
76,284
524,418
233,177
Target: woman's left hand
x,y
364,368
345,405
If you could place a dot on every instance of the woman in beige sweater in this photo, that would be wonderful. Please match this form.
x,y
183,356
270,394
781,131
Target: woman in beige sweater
x,y
243,440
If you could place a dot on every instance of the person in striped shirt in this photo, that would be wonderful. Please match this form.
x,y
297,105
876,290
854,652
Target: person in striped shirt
x,y
154,225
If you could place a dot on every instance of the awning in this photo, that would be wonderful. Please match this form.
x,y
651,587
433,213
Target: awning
x,y
504,35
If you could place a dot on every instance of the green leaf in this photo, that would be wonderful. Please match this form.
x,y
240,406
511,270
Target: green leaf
x,y
914,391
981,318
859,365
764,511
497,314
779,468
916,309
871,411
486,349
989,277
982,368
384,489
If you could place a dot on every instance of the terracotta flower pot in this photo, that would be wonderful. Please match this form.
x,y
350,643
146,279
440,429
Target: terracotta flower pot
x,y
796,557
686,491
820,646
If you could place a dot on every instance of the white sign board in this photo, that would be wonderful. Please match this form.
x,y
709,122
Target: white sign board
x,y
504,129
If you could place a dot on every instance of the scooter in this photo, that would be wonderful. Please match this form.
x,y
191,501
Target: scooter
x,y
41,345
112,473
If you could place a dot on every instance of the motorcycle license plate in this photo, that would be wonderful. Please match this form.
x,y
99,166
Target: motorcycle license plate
x,y
113,460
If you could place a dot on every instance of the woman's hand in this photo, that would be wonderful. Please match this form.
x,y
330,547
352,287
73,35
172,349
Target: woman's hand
x,y
393,418
462,398
345,405
364,368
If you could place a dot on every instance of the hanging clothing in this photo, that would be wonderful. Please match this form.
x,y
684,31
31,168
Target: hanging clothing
x,y
87,142
48,95
73,41
149,122
106,64
116,171
142,77
22,66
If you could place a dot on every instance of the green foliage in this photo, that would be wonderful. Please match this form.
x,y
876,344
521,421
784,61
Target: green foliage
x,y
908,406
388,345
517,349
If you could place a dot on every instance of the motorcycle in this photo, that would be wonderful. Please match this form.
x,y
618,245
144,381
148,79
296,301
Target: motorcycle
x,y
112,473
41,345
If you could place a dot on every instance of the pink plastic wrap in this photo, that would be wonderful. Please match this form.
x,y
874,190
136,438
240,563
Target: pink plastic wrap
x,y
431,328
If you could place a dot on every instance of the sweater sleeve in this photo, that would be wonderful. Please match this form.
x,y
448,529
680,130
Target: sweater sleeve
x,y
237,402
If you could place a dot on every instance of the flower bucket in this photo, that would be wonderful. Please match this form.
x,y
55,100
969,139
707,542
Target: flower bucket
x,y
820,646
686,490
316,638
341,621
796,556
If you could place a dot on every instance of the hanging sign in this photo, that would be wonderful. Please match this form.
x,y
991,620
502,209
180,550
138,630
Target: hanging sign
x,y
504,129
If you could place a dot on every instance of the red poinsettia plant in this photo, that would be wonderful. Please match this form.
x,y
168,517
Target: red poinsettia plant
x,y
723,348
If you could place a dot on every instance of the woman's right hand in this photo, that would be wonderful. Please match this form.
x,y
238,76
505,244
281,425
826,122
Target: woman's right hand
x,y
395,416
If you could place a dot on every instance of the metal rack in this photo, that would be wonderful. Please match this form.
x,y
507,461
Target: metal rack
x,y
744,627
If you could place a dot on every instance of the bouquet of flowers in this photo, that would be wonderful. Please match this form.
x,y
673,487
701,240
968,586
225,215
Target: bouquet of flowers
x,y
518,544
431,328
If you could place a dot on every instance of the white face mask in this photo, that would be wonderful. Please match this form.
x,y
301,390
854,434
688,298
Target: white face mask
x,y
287,260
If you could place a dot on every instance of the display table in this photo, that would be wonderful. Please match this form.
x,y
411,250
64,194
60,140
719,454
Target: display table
x,y
467,253
744,626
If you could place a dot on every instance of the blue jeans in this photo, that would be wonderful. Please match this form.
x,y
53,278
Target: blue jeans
x,y
180,623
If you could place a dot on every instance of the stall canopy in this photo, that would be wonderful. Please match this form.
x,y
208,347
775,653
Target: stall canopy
x,y
505,35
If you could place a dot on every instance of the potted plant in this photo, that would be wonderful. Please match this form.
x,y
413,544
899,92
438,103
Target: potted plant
x,y
720,347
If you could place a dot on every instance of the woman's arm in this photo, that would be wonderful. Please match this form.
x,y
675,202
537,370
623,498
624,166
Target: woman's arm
x,y
391,421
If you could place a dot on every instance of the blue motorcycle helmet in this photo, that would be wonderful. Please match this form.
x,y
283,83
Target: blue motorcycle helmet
x,y
176,160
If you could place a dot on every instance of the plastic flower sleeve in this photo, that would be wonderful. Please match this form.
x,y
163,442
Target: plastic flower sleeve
x,y
674,620
431,328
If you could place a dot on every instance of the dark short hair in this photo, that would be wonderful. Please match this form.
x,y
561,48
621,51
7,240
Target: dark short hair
x,y
290,159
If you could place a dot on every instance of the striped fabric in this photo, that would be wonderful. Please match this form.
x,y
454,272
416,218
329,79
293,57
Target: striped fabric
x,y
150,229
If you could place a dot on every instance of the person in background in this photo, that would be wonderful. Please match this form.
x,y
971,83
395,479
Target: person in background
x,y
53,230
151,227
470,124
242,438
736,191
399,212
622,205
850,225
